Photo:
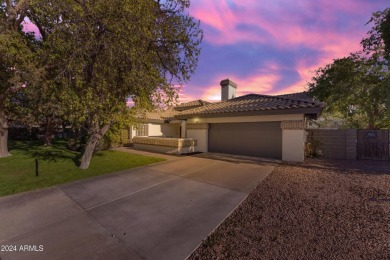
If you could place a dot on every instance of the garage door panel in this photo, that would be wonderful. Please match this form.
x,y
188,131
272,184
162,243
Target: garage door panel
x,y
262,139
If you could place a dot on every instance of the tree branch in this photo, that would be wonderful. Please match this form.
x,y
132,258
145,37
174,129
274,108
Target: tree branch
x,y
10,91
21,6
10,7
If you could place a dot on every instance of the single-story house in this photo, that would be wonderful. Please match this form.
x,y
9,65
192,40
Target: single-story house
x,y
252,125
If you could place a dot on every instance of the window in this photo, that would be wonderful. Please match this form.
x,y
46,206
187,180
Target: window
x,y
142,130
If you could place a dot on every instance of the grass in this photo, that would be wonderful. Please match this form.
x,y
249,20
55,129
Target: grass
x,y
57,165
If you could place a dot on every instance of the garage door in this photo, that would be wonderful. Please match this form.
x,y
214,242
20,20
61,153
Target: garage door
x,y
252,139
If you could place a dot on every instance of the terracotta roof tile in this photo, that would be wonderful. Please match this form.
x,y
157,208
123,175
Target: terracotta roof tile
x,y
161,115
194,103
298,96
247,103
170,113
255,102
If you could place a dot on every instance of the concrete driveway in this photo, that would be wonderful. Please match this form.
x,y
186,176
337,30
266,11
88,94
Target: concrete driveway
x,y
161,211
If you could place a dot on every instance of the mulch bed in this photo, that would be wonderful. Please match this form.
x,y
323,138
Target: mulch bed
x,y
333,209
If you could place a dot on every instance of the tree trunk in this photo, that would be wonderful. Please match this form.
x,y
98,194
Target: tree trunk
x,y
94,139
373,117
47,138
3,135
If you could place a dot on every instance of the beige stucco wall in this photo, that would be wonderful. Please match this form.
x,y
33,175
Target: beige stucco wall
x,y
165,145
201,135
165,149
264,118
154,129
228,92
293,140
132,133
168,130
183,125
293,145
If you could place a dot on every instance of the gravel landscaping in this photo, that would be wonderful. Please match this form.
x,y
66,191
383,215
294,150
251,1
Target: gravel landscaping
x,y
332,209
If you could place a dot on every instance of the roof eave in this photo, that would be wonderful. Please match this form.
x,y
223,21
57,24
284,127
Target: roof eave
x,y
148,120
315,115
305,111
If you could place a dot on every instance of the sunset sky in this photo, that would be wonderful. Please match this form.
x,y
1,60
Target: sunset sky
x,y
273,46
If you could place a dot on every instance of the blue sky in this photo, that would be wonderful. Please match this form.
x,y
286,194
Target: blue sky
x,y
273,46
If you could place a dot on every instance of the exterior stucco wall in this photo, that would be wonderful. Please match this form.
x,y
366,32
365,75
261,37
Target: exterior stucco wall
x,y
167,130
293,145
154,129
293,140
165,149
133,131
183,129
165,145
228,92
201,135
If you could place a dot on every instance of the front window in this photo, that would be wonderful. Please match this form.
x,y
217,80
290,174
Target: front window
x,y
142,130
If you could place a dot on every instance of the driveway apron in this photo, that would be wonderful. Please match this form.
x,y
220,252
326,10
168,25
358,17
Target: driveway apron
x,y
161,211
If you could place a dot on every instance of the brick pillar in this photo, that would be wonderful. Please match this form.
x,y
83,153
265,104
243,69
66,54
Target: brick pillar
x,y
350,144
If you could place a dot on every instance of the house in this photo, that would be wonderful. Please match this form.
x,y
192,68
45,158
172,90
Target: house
x,y
253,125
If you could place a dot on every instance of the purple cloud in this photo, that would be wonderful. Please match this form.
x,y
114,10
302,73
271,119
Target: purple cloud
x,y
273,46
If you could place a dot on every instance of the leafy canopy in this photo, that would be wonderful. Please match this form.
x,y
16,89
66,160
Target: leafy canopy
x,y
356,88
107,51
101,52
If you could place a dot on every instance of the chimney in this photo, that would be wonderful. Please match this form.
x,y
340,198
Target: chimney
x,y
228,89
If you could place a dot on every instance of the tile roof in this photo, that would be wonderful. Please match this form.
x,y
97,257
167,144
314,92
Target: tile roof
x,y
247,103
255,102
161,115
298,96
190,104
170,113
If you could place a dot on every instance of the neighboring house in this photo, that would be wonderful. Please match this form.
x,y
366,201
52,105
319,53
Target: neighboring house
x,y
252,125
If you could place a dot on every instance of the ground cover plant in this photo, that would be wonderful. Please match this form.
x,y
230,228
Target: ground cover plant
x,y
57,165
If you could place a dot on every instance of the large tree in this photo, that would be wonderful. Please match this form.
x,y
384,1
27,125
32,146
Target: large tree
x,y
353,88
357,87
378,40
105,51
16,61
377,44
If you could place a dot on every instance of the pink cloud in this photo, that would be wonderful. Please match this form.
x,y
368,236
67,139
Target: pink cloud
x,y
260,83
332,29
282,22
185,97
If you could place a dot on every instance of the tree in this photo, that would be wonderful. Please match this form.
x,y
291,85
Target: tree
x,y
44,106
353,87
16,61
377,44
378,40
358,87
105,51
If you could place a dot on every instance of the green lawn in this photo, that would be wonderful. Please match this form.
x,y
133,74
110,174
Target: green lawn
x,y
57,165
